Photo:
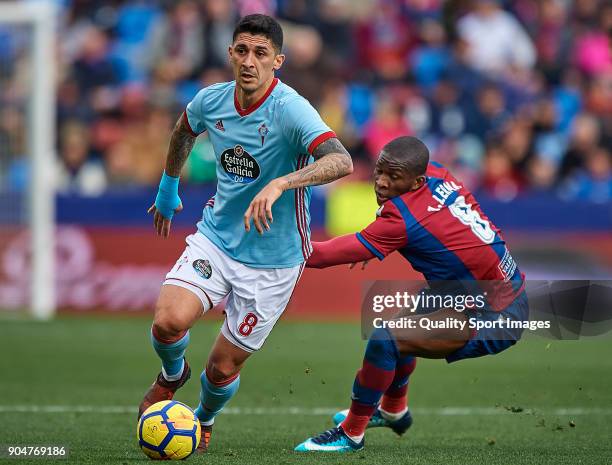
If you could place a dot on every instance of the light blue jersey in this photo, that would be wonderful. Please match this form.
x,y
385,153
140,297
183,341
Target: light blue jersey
x,y
272,138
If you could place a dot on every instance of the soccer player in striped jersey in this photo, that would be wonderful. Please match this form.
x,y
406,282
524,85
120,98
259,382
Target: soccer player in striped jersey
x,y
270,145
434,222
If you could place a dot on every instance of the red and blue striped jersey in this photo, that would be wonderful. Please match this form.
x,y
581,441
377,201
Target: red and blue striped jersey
x,y
442,231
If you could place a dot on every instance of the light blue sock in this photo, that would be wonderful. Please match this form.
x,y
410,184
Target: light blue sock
x,y
213,398
171,356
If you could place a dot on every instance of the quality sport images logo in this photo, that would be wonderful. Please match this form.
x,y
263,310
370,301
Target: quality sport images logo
x,y
239,165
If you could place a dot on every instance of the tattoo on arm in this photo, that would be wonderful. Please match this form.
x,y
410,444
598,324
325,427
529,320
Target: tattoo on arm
x,y
181,143
332,162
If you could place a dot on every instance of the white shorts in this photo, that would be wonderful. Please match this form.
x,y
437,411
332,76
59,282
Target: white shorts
x,y
256,297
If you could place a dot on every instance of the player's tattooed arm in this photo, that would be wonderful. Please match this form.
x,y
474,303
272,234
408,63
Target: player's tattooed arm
x,y
167,201
181,143
332,162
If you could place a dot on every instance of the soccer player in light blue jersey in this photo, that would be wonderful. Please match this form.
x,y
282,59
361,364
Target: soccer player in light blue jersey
x,y
270,145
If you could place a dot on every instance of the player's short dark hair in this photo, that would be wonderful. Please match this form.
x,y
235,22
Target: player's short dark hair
x,y
411,152
258,24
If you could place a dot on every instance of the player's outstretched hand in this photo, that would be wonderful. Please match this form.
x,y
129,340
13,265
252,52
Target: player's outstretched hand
x,y
161,224
363,265
260,208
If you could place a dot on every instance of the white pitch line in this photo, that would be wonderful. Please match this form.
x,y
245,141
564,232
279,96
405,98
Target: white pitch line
x,y
304,411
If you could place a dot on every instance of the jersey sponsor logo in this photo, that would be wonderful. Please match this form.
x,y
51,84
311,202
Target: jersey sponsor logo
x,y
239,165
219,125
202,268
263,132
507,266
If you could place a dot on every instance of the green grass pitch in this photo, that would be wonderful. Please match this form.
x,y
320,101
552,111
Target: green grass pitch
x,y
541,402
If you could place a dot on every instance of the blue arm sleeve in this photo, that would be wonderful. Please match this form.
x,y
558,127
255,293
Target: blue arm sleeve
x,y
167,199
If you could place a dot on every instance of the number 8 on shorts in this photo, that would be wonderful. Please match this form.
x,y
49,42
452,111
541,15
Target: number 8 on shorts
x,y
247,325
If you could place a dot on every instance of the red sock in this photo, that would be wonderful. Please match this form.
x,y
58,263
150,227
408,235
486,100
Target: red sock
x,y
395,398
394,404
357,419
373,379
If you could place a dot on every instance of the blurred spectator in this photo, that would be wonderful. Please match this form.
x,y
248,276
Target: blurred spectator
x,y
594,183
384,40
496,39
220,20
592,52
247,7
500,180
13,146
387,124
134,23
585,12
448,117
93,70
541,174
139,156
176,41
76,172
516,142
514,96
303,46
333,23
490,115
585,138
429,60
548,142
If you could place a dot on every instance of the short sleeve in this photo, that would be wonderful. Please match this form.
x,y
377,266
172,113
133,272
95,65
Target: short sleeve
x,y
386,234
303,126
195,113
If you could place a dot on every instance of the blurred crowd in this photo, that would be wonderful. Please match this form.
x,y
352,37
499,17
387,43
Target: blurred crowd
x,y
515,97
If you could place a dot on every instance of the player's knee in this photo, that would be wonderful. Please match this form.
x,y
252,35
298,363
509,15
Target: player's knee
x,y
169,326
220,371
381,349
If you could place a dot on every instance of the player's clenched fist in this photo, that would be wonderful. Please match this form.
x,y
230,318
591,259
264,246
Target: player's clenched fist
x,y
260,208
166,204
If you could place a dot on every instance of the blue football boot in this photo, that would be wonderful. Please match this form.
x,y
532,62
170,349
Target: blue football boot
x,y
377,421
333,440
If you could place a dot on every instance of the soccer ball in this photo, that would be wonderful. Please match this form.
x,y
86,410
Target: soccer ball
x,y
168,430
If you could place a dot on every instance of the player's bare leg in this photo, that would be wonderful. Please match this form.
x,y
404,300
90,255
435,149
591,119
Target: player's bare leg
x,y
432,343
176,311
220,381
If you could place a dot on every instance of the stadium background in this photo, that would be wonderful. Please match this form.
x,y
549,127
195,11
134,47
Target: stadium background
x,y
514,97
517,102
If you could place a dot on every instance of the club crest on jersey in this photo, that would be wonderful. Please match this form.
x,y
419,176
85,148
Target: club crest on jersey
x,y
263,132
202,268
219,125
239,165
